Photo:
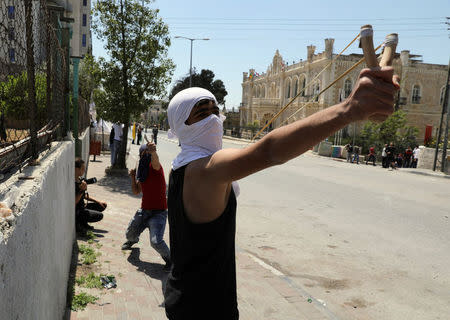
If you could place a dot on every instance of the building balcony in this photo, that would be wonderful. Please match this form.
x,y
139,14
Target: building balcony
x,y
266,101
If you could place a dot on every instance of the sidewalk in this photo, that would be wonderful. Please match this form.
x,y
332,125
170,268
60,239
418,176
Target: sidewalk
x,y
419,171
263,293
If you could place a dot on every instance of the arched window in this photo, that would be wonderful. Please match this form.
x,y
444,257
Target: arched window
x,y
442,96
303,86
288,89
263,93
347,88
416,94
295,88
317,90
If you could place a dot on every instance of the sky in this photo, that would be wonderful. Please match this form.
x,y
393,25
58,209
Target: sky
x,y
245,34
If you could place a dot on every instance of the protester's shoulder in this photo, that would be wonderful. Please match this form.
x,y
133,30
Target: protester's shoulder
x,y
159,171
197,167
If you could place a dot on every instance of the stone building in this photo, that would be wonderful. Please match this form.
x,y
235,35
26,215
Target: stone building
x,y
153,114
231,123
263,95
80,12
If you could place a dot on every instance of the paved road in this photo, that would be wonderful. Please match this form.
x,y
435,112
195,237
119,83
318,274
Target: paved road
x,y
366,242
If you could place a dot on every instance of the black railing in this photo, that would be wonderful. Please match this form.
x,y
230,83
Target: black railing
x,y
33,81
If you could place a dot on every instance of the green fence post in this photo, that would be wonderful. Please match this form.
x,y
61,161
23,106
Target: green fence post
x,y
76,62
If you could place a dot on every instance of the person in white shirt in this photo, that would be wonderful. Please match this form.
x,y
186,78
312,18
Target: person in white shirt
x,y
415,157
384,156
118,129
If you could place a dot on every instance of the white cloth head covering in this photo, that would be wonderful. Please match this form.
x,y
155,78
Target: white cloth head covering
x,y
199,140
181,106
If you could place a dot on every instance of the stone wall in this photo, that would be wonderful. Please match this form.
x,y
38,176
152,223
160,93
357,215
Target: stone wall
x,y
36,244
426,159
325,148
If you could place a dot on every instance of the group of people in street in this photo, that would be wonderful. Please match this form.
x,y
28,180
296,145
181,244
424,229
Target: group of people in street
x,y
389,157
352,153
393,160
202,195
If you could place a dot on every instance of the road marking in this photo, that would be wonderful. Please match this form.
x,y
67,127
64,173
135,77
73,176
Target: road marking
x,y
319,304
265,265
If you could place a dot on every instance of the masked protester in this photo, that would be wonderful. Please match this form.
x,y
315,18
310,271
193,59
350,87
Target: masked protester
x,y
202,193
149,180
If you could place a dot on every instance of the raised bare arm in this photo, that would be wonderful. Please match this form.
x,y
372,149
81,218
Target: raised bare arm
x,y
373,94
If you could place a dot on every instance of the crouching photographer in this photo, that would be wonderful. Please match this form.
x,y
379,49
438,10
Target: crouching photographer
x,y
90,212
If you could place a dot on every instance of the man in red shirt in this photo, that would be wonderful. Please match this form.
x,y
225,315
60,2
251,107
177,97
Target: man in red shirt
x,y
153,212
371,156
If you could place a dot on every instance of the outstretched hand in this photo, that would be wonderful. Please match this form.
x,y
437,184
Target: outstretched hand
x,y
374,94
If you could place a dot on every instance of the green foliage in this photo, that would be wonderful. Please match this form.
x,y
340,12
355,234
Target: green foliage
x,y
89,76
89,256
137,42
89,281
162,118
432,143
253,127
394,129
14,96
90,235
204,79
138,68
80,301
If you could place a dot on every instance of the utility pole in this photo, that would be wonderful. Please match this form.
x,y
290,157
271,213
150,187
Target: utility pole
x,y
190,65
438,140
444,150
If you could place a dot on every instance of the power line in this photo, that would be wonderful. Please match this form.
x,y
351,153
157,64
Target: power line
x,y
315,39
297,30
299,19
297,24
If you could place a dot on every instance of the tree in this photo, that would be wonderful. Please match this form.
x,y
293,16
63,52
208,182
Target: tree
x,y
253,127
89,77
393,129
137,68
204,79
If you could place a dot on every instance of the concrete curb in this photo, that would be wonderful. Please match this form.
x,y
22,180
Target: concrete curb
x,y
423,172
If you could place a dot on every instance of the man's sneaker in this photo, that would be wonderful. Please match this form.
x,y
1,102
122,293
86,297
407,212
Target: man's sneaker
x,y
80,230
88,227
127,245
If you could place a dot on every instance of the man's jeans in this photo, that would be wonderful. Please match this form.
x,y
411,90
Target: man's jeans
x,y
155,221
114,150
349,156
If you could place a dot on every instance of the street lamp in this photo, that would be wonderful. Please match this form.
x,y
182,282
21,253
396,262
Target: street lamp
x,y
190,67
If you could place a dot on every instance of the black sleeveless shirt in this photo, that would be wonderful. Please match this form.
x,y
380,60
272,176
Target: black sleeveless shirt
x,y
202,283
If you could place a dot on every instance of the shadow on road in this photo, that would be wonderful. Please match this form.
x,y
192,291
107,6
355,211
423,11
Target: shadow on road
x,y
117,184
153,270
